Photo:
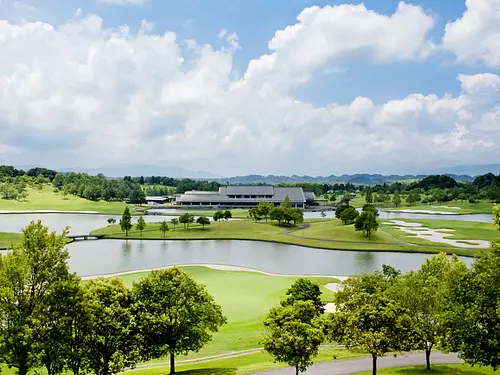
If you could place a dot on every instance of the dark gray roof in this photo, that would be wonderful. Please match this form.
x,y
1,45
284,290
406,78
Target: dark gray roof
x,y
309,195
250,190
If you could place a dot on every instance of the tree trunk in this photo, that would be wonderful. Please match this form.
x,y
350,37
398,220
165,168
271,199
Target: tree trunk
x,y
374,370
296,369
22,369
428,357
172,363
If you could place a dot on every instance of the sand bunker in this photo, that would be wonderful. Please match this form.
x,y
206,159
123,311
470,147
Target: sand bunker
x,y
437,235
334,287
450,207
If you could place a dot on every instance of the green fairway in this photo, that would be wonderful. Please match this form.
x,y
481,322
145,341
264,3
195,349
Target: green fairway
x,y
245,297
463,230
437,370
6,239
48,200
322,233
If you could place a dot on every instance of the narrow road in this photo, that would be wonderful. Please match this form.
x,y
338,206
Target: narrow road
x,y
355,365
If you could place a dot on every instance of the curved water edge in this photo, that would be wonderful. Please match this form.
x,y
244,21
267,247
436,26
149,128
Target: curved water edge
x,y
92,258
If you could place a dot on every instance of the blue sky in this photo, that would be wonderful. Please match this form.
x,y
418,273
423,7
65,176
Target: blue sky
x,y
427,84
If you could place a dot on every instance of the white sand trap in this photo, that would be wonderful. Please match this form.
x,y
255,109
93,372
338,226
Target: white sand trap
x,y
450,207
334,287
330,307
437,235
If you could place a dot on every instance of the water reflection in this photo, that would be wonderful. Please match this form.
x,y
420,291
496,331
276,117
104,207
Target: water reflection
x,y
122,256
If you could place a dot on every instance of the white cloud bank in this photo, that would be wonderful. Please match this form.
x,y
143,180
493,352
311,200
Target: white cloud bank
x,y
123,2
81,94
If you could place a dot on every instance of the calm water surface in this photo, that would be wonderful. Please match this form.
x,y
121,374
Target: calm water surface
x,y
101,257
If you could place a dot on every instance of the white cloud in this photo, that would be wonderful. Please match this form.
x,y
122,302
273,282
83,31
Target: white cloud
x,y
475,38
123,2
337,33
81,94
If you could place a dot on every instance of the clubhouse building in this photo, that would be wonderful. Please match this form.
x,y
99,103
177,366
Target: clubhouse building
x,y
244,196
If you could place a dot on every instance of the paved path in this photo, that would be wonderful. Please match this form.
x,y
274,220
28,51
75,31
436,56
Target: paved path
x,y
355,365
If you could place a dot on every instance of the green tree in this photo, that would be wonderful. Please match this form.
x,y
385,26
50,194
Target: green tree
x,y
347,198
413,197
370,208
141,224
340,209
174,222
286,203
304,290
58,181
496,215
396,199
423,293
218,215
369,195
137,195
64,327
373,323
178,315
113,340
228,215
367,223
294,334
265,208
349,215
29,275
278,214
126,221
187,219
111,221
296,215
254,214
163,228
202,220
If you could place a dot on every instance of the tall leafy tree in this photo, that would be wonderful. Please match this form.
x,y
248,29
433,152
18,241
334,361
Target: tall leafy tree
x,y
286,203
174,222
396,199
348,215
29,275
203,220
113,339
265,209
178,315
186,219
227,214
163,228
141,224
126,221
305,290
369,195
424,293
278,214
367,223
294,334
373,323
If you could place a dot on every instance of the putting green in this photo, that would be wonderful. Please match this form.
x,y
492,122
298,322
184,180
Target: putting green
x,y
246,298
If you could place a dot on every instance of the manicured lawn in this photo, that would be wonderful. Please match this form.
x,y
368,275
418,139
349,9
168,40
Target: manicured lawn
x,y
246,298
325,234
48,200
464,230
6,239
435,370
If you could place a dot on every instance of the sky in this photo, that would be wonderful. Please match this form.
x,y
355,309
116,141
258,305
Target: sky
x,y
238,87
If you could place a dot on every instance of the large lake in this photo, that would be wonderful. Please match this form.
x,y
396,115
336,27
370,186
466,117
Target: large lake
x,y
100,257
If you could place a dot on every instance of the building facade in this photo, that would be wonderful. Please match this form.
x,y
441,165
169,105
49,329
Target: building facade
x,y
242,196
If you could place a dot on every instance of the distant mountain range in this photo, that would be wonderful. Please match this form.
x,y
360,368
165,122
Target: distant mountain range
x,y
366,179
471,170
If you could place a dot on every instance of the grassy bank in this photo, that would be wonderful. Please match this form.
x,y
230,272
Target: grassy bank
x,y
47,199
453,207
6,239
325,234
436,370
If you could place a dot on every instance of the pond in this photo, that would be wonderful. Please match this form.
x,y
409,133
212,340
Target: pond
x,y
89,258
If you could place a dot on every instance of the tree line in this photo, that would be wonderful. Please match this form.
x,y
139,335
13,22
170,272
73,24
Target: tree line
x,y
49,318
443,305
